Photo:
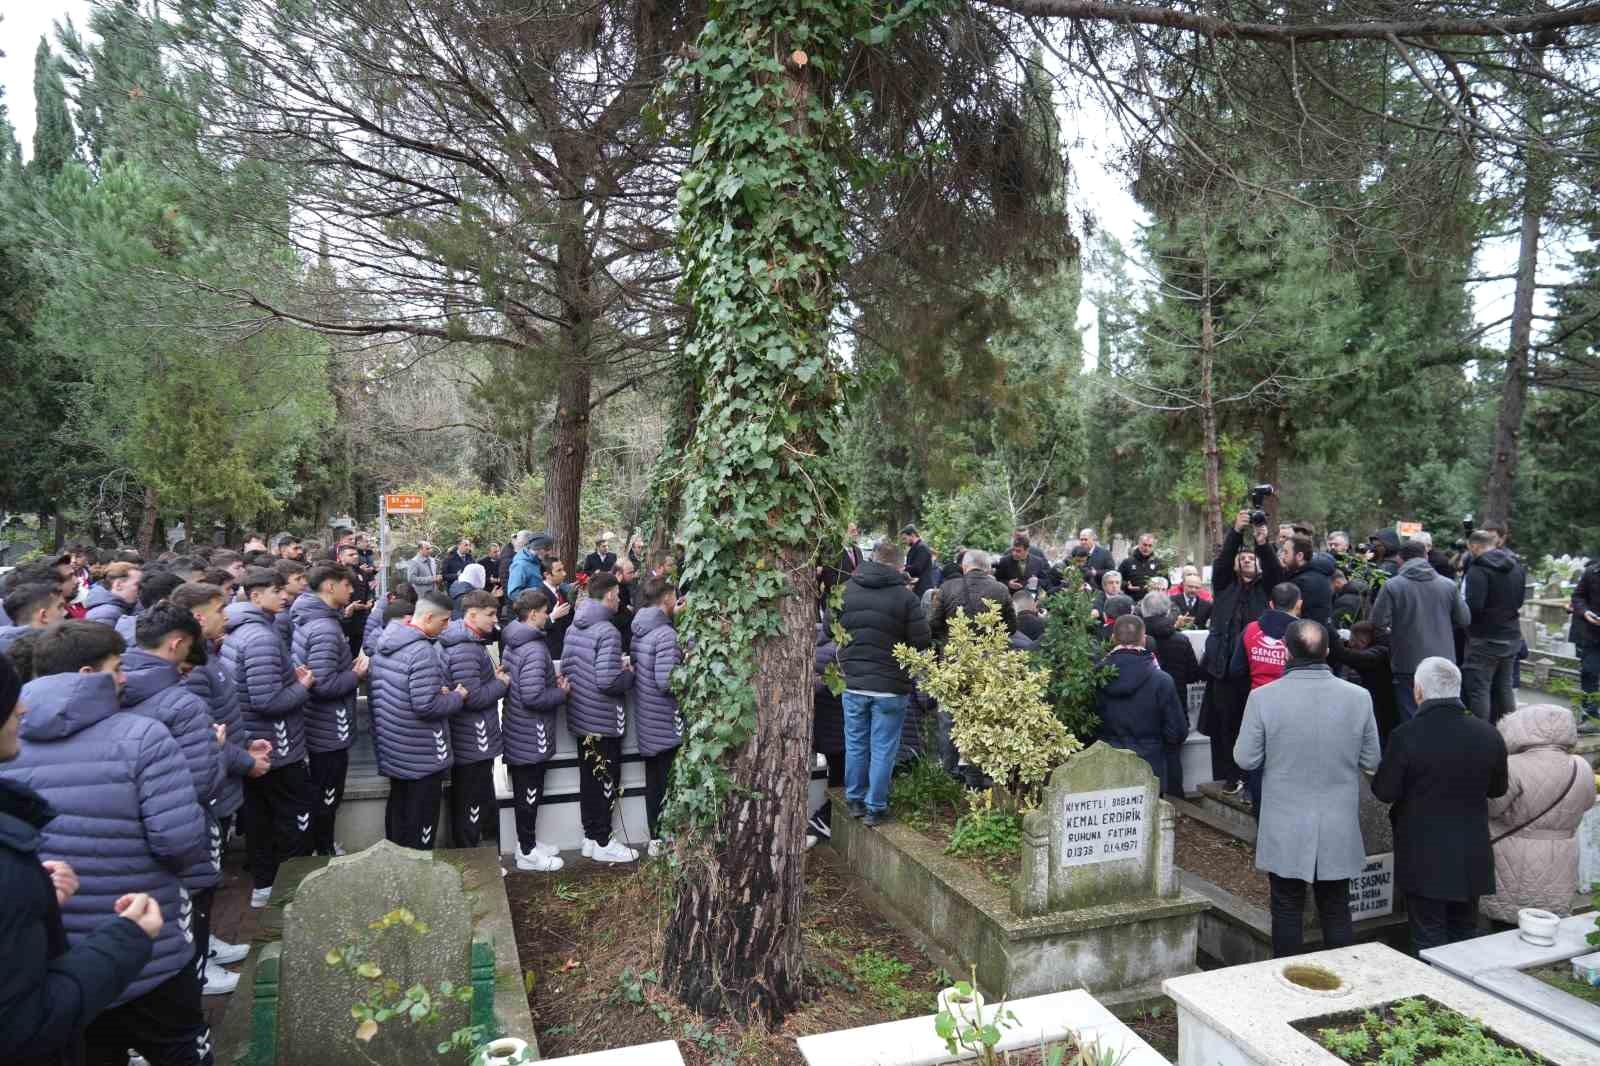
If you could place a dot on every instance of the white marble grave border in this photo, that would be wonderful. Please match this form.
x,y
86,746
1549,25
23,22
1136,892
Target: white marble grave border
x,y
1040,1019
1496,963
1243,1014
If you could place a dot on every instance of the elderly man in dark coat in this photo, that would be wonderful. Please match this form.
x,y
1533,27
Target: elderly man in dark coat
x,y
1439,772
1313,734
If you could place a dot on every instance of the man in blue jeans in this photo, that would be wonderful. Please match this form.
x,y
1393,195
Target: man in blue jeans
x,y
879,612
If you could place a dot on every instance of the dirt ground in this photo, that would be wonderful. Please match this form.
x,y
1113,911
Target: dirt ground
x,y
1222,860
590,941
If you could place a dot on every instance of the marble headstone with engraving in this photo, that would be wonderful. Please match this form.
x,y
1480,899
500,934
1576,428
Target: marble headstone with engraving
x,y
1101,835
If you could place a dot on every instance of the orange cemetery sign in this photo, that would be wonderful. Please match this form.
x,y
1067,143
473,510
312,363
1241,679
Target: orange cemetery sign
x,y
1408,529
404,503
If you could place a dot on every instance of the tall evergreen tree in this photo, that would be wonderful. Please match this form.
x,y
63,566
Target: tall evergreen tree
x,y
55,142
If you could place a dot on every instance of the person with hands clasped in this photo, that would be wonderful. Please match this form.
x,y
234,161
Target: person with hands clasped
x,y
106,797
321,644
601,676
411,709
49,992
272,697
534,695
475,729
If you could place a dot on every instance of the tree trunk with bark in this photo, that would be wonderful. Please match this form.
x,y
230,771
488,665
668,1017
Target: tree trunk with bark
x,y
733,945
568,458
1208,419
1270,466
1507,442
148,522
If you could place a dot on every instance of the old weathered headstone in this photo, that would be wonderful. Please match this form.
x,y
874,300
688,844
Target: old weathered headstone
x,y
1101,835
408,918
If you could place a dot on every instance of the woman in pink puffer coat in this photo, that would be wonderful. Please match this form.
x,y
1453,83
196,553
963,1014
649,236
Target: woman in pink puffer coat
x,y
1537,866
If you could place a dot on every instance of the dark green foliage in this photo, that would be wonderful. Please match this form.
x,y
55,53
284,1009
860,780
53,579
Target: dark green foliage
x,y
924,793
1071,651
1419,1030
54,140
991,834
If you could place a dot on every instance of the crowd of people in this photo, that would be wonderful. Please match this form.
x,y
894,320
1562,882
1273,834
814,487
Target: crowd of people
x,y
1391,659
154,708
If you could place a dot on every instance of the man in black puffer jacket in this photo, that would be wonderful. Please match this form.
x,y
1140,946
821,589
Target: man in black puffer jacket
x,y
1312,572
1495,586
971,594
879,612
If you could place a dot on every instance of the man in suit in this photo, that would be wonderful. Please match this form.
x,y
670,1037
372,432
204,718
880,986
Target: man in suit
x,y
1440,771
1313,735
1193,600
602,558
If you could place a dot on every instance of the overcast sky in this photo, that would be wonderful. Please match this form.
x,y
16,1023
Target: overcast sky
x,y
24,22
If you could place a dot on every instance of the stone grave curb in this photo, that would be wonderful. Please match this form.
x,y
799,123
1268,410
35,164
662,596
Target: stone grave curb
x,y
969,921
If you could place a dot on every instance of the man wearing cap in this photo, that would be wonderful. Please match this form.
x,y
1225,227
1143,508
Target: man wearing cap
x,y
602,558
919,560
527,566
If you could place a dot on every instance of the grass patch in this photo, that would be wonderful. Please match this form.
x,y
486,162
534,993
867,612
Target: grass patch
x,y
1413,1032
1561,977
881,976
924,794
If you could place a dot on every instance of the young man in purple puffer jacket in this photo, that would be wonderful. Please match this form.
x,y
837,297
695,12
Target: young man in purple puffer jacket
x,y
657,720
534,696
126,820
592,659
475,729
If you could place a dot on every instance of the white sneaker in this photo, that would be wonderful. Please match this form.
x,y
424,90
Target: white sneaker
x,y
616,851
658,848
536,861
589,847
225,954
549,850
338,849
811,841
135,1059
219,982
259,897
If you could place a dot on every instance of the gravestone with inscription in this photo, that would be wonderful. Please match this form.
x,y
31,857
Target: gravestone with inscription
x,y
1101,835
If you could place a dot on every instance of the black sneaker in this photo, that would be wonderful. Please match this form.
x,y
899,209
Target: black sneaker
x,y
818,828
856,808
873,819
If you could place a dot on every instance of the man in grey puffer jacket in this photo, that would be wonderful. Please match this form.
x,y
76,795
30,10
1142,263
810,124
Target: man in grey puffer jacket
x,y
657,719
272,695
1419,609
411,709
126,819
601,676
475,730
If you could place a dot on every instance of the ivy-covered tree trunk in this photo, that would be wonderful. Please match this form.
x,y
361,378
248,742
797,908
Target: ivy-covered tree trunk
x,y
762,239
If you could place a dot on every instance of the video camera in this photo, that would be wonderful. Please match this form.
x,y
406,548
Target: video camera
x,y
1258,500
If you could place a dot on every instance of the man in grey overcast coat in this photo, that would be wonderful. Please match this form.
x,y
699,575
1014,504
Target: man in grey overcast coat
x,y
1314,735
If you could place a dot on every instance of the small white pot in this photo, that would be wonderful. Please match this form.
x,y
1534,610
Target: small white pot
x,y
505,1051
1537,926
969,1008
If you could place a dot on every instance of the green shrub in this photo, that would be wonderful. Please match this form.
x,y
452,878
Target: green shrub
x,y
995,694
923,792
986,832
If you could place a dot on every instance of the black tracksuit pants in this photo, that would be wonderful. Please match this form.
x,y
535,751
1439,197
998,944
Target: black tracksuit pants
x,y
328,770
165,1025
527,788
599,784
657,772
278,807
474,812
413,811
